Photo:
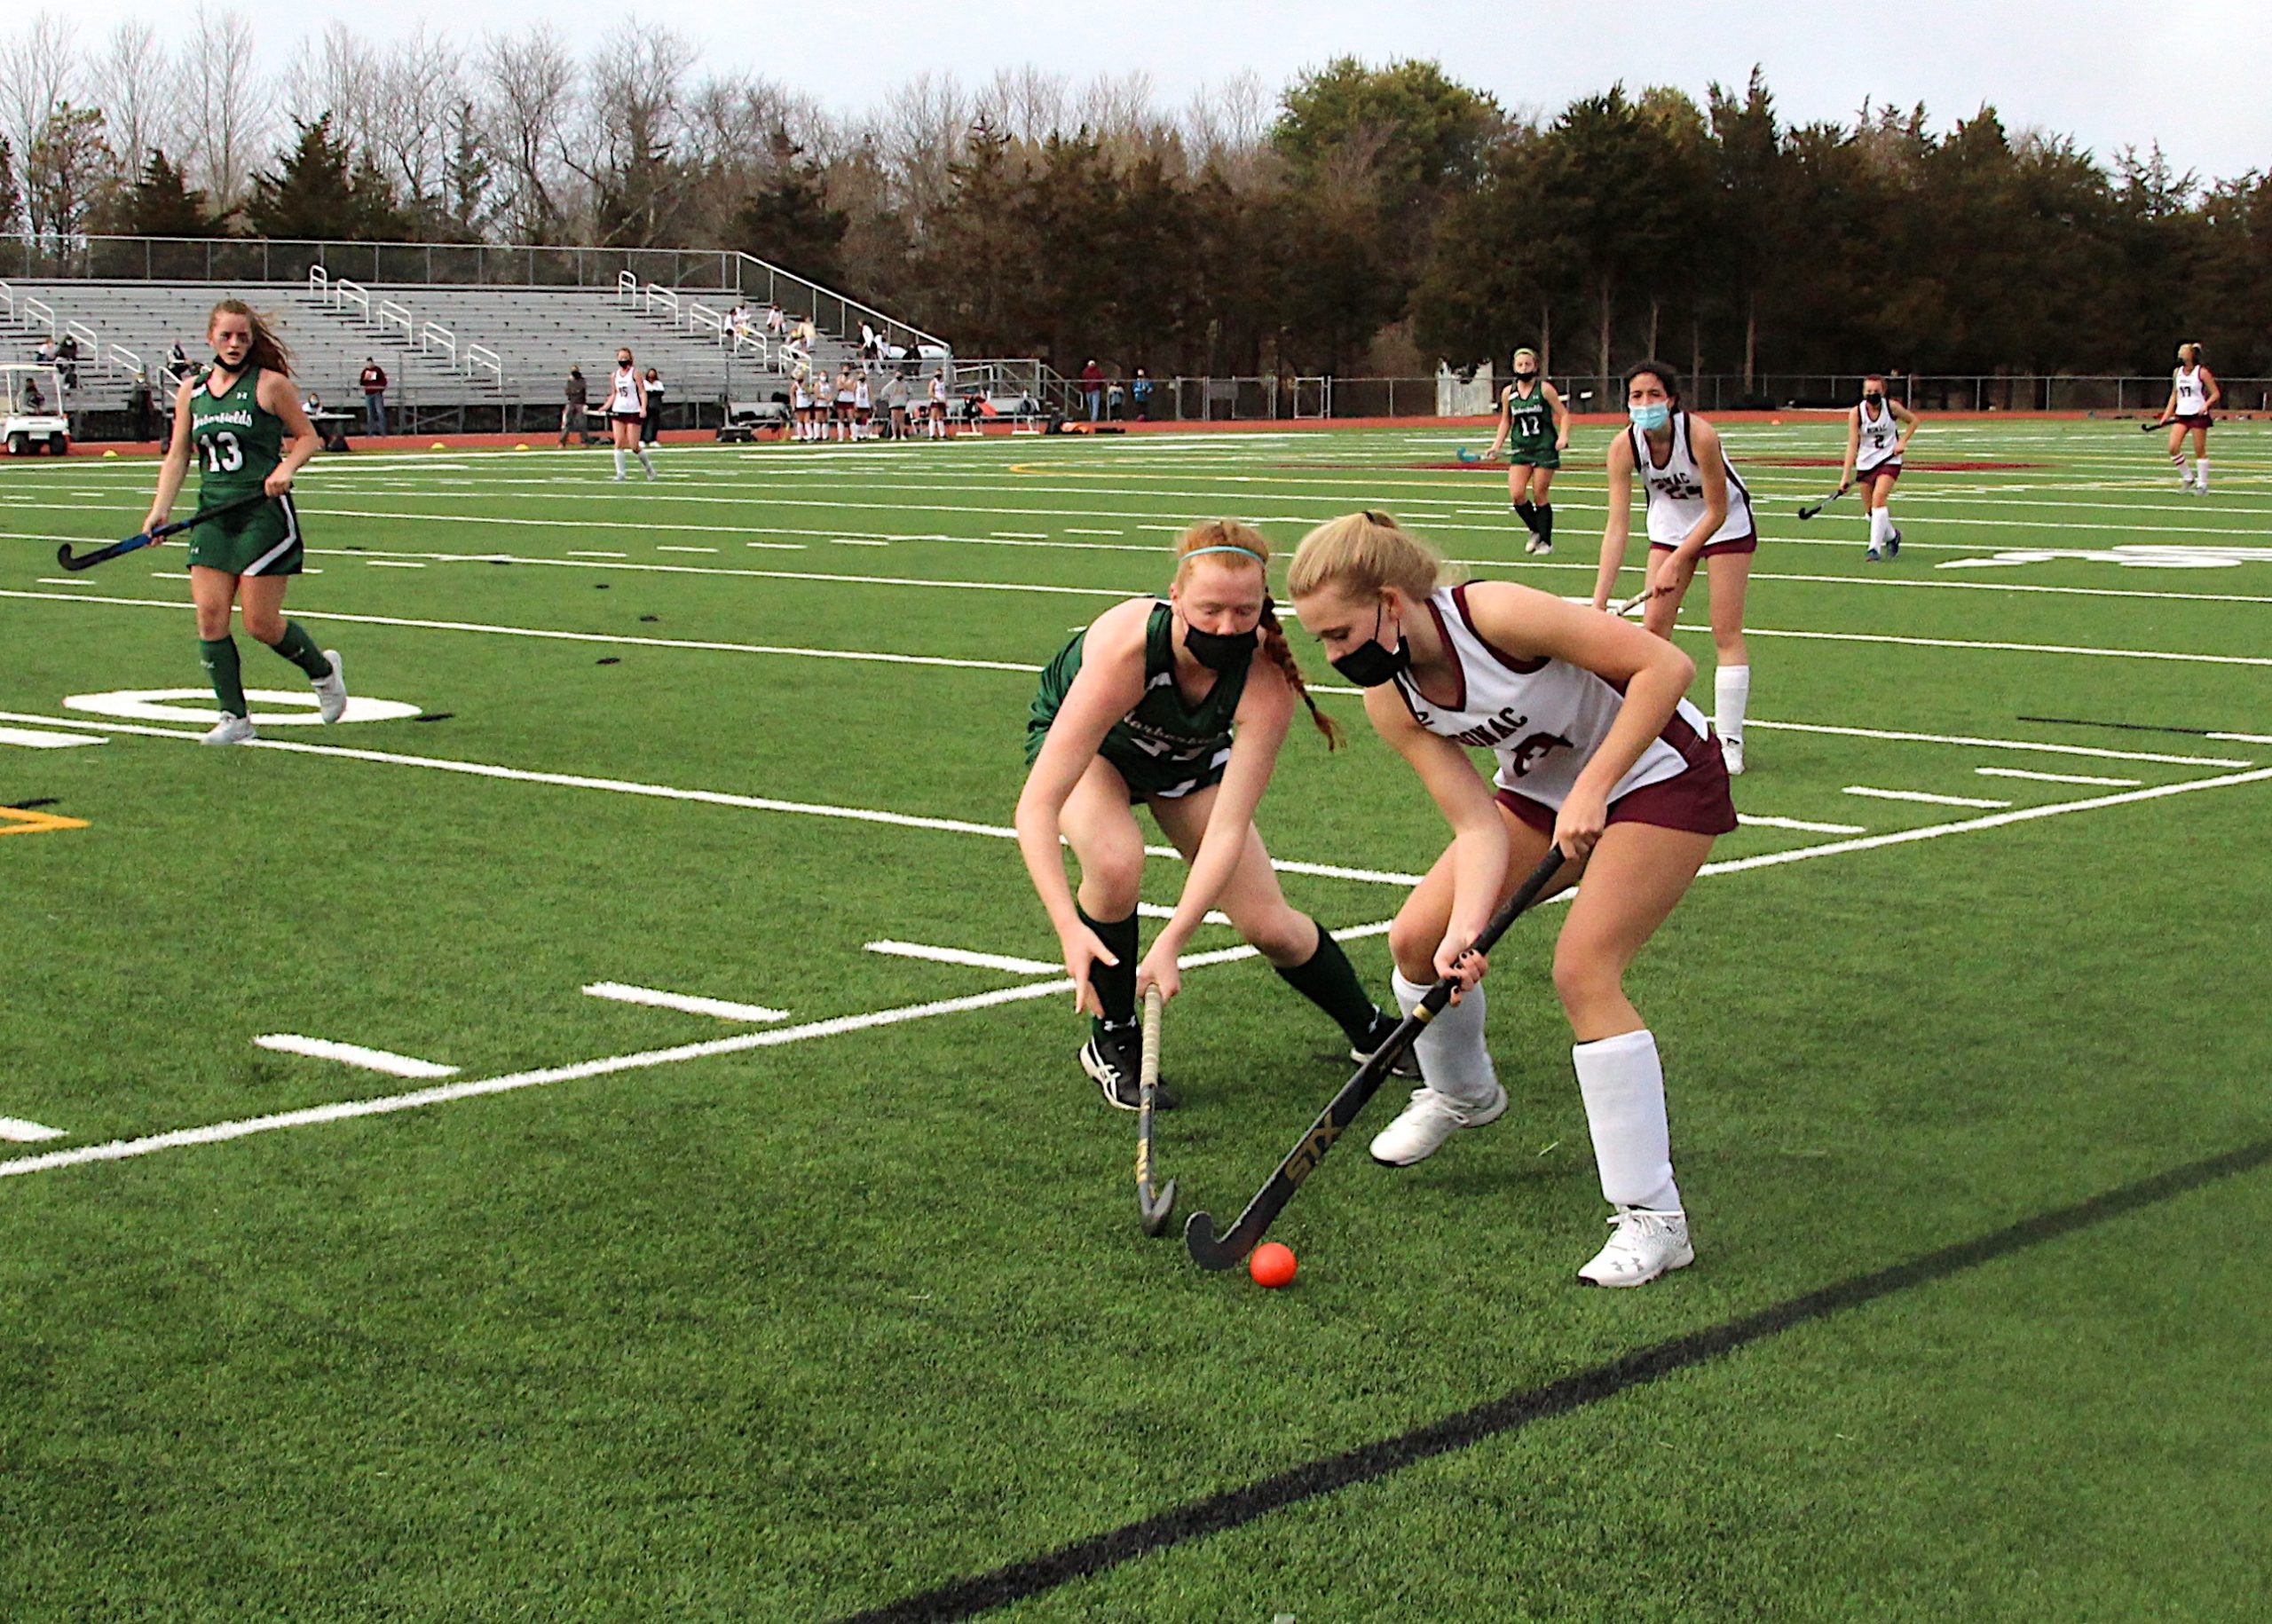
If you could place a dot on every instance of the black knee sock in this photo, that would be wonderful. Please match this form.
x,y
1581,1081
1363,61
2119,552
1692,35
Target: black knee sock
x,y
1116,984
1327,979
1546,521
1527,512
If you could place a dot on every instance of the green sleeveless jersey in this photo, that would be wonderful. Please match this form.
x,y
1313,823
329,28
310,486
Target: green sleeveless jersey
x,y
1530,424
1161,746
235,442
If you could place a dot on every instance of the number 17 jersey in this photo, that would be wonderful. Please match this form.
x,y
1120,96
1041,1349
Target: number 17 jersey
x,y
235,441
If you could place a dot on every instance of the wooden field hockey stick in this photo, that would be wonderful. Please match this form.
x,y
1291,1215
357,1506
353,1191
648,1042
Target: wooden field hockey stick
x,y
1213,1251
1152,1206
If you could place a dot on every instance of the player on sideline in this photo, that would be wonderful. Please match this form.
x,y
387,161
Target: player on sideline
x,y
938,405
1163,701
1878,431
626,412
2193,394
1599,753
243,422
1698,508
1534,427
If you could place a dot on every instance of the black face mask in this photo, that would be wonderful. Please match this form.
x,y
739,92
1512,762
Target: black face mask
x,y
1525,373
1369,665
1222,652
1874,399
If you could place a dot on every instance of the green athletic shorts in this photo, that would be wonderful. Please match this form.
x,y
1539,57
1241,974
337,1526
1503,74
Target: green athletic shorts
x,y
264,539
1147,776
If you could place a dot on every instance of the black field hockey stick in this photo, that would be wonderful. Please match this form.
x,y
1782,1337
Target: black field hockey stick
x,y
1213,1251
1807,510
149,538
1152,1206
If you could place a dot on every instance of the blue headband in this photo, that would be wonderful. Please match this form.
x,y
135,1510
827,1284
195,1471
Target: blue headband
x,y
1244,552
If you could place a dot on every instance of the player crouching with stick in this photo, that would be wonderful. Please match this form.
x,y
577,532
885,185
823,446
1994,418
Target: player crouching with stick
x,y
243,420
1163,701
1599,753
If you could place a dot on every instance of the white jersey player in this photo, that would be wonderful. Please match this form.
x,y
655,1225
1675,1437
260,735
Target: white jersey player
x,y
1598,754
626,411
2193,393
1877,433
938,405
1698,508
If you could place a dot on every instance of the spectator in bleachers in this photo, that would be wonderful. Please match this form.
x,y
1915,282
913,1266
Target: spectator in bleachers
x,y
1140,395
652,427
374,385
776,319
737,321
573,416
1092,388
180,367
137,406
66,360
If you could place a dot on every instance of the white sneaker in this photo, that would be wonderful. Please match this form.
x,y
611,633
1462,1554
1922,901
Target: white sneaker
x,y
331,691
1538,546
1422,1127
232,731
1642,1245
1731,753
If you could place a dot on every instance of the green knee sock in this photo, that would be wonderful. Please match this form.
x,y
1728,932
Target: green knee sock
x,y
1116,984
296,646
219,659
1327,979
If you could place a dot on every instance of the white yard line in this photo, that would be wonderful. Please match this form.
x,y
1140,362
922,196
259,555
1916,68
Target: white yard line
x,y
2022,772
1750,821
1919,795
1971,742
354,1054
685,1003
964,956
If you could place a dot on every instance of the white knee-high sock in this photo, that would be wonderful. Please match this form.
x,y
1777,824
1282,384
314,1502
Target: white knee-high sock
x,y
2201,473
646,460
618,462
1623,1084
1881,522
1450,1049
1731,688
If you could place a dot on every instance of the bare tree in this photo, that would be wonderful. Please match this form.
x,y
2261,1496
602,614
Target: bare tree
x,y
1025,103
1228,126
128,81
412,135
528,85
627,145
38,75
228,116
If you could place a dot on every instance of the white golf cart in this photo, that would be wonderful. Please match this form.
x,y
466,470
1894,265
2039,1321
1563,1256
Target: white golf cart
x,y
31,410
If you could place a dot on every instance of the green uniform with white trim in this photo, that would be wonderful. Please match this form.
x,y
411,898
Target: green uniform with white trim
x,y
1530,429
1162,748
236,444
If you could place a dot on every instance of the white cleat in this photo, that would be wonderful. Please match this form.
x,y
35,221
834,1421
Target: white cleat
x,y
1422,1127
1642,1245
331,691
1538,546
232,731
1731,753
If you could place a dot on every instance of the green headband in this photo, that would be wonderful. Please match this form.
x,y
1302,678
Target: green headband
x,y
1244,552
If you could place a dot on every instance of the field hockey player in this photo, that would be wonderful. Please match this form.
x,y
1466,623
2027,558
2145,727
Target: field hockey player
x,y
1163,701
1534,427
1878,432
242,420
1599,753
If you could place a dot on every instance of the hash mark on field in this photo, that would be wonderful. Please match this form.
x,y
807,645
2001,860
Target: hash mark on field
x,y
686,1002
586,552
2022,772
963,956
777,546
1075,530
392,564
17,1131
353,1054
63,581
666,548
855,541
1919,795
1805,827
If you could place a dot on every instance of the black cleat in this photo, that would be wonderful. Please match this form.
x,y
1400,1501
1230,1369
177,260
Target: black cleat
x,y
1406,1064
1113,1062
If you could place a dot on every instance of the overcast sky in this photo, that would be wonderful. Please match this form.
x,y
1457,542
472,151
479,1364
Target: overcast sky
x,y
2110,73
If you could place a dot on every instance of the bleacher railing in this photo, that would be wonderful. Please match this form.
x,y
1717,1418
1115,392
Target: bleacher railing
x,y
241,260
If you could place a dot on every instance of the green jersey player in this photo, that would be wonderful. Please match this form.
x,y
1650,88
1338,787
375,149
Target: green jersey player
x,y
1163,702
242,421
1534,427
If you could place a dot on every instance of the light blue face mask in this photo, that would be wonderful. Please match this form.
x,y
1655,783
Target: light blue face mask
x,y
1647,417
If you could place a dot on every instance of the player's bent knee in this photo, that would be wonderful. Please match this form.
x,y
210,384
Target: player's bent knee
x,y
1584,981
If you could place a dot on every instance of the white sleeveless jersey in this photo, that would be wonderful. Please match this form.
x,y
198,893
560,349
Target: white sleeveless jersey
x,y
860,397
1880,437
623,394
799,397
938,389
1542,718
1677,491
2192,392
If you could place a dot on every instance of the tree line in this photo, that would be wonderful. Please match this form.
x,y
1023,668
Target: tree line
x,y
1363,219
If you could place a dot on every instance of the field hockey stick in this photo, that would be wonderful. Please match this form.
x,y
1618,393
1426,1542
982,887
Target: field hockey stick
x,y
1213,1251
117,550
1626,606
1807,510
2154,424
1152,1206
1464,454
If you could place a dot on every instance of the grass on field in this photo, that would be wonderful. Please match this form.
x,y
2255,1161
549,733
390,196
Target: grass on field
x,y
692,1318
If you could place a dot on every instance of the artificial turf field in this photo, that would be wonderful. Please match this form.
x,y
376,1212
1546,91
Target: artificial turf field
x,y
828,1305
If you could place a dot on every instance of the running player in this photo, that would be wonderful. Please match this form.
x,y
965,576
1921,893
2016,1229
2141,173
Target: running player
x,y
1163,701
242,421
1878,431
626,413
1599,753
2193,394
939,406
1534,427
1698,508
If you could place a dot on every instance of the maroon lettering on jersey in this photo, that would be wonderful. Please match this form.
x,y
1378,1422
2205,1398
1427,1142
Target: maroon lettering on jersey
x,y
1534,749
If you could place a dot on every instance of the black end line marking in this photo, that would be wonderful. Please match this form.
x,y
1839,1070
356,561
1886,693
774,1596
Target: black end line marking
x,y
1219,1513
